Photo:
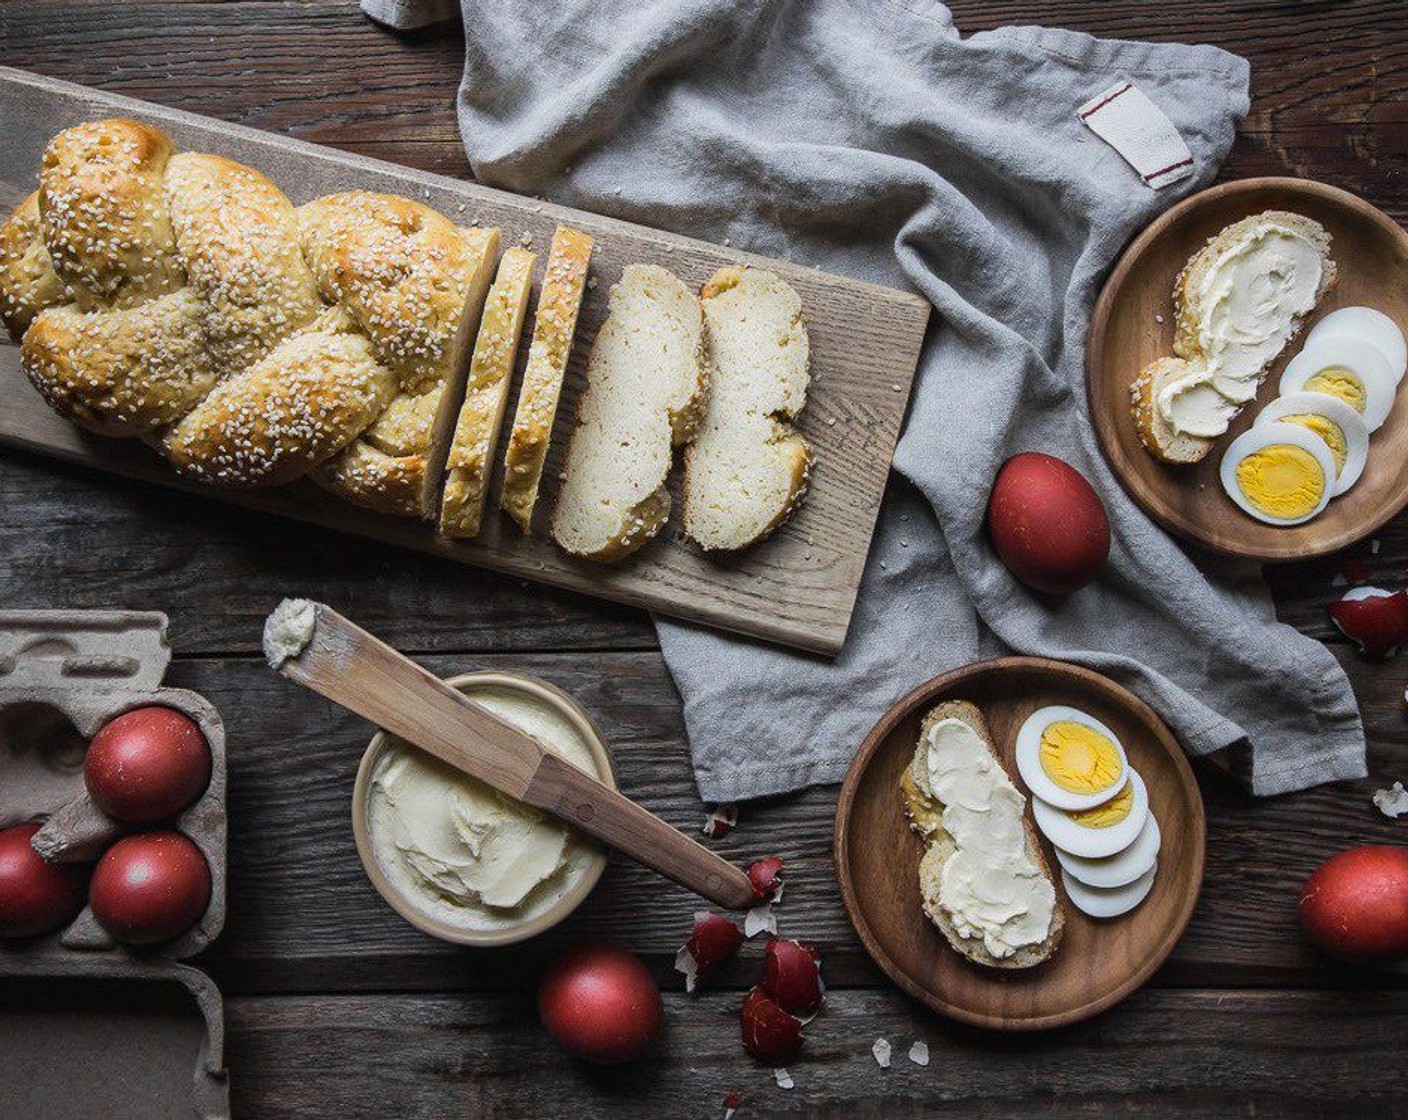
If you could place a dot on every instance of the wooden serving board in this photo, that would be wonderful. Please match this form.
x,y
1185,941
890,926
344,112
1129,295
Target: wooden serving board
x,y
1098,963
798,588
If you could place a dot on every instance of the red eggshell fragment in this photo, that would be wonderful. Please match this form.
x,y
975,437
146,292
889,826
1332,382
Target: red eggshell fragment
x,y
600,1004
36,896
1047,524
1355,906
147,764
765,877
150,887
769,1033
792,976
1376,620
715,939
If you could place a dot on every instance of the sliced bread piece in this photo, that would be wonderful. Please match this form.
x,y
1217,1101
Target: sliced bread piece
x,y
486,394
1158,438
645,387
554,327
748,469
1191,313
925,815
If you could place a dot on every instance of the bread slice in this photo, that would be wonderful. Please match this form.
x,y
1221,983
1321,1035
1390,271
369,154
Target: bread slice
x,y
486,394
1190,314
925,816
1158,438
554,327
645,387
748,469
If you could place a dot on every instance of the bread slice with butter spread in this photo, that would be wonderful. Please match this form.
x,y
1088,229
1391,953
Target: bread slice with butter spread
x,y
1034,933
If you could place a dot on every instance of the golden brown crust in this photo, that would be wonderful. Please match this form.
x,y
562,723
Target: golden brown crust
x,y
471,455
276,420
28,282
121,373
1161,443
104,215
554,327
238,237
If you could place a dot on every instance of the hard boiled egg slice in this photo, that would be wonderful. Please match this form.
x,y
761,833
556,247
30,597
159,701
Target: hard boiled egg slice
x,y
1100,903
1347,368
1333,421
1101,831
1367,325
1120,868
1069,759
1282,474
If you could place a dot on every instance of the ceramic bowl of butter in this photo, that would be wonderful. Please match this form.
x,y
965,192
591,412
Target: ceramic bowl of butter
x,y
464,862
1221,309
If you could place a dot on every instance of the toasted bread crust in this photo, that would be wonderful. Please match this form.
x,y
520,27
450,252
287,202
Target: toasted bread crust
x,y
925,818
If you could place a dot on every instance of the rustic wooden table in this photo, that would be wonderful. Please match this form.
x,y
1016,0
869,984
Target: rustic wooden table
x,y
336,1007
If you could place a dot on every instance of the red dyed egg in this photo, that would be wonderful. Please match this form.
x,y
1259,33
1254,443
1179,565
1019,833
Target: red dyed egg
x,y
600,1004
150,887
147,764
36,896
1355,906
1048,524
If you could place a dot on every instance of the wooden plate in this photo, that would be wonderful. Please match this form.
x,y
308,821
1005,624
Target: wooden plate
x,y
1098,963
1125,334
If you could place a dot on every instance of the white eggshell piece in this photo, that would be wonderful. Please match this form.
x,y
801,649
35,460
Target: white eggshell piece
x,y
1093,843
1121,868
1108,903
1028,755
1255,439
1367,325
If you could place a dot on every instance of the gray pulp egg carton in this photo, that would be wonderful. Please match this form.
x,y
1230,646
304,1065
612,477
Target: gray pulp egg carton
x,y
63,674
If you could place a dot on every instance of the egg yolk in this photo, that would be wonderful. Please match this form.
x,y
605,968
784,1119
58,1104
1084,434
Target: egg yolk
x,y
1339,382
1282,480
1078,758
1108,814
1327,430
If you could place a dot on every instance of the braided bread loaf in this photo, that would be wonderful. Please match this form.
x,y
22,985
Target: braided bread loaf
x,y
182,299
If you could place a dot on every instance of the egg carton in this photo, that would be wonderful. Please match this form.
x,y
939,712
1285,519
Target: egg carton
x,y
63,674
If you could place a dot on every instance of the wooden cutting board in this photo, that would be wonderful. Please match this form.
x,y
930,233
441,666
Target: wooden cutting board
x,y
798,588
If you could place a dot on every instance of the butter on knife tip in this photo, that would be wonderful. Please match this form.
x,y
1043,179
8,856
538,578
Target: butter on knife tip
x,y
288,630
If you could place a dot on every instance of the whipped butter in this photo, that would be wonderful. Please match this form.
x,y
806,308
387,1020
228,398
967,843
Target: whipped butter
x,y
1248,303
990,887
461,851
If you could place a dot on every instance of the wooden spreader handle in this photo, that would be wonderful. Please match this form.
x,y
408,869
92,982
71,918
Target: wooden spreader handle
x,y
564,791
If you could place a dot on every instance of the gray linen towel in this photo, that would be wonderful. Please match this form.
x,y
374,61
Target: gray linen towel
x,y
867,137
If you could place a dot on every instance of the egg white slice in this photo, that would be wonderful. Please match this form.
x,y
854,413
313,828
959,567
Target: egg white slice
x,y
1122,867
1255,439
1343,416
1108,903
1028,754
1093,843
1365,362
1369,325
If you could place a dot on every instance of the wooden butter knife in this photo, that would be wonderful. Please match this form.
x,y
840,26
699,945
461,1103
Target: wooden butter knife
x,y
346,664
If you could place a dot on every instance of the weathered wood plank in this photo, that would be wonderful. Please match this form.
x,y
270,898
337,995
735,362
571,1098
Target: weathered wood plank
x,y
73,537
303,917
1186,1053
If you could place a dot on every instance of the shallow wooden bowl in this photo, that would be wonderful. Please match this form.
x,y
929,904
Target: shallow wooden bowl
x,y
1371,251
1098,963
